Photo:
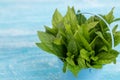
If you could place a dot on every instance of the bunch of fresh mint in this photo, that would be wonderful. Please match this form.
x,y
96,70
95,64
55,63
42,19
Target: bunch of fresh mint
x,y
80,42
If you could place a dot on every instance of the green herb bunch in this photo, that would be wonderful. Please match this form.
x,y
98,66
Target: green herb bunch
x,y
80,42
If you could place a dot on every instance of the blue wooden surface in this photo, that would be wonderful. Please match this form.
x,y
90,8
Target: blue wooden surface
x,y
20,59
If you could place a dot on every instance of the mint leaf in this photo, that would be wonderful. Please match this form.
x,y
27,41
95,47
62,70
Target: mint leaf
x,y
70,60
81,40
51,31
103,39
84,54
105,58
45,37
117,19
65,67
72,47
57,17
115,28
74,69
117,38
45,47
110,17
81,19
57,41
70,18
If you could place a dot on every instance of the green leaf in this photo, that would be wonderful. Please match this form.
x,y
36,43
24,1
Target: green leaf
x,y
102,26
45,37
91,25
88,65
84,31
93,42
86,28
110,17
57,41
115,28
97,66
117,38
70,18
81,40
65,67
81,19
51,31
103,39
81,62
72,47
69,54
90,19
85,54
94,58
57,17
70,60
106,58
104,48
60,50
68,32
107,37
74,69
46,47
117,19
